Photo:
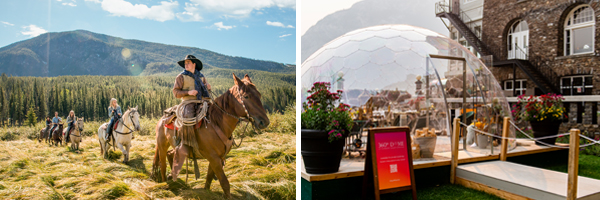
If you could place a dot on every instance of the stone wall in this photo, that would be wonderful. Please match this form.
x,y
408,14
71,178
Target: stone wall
x,y
545,19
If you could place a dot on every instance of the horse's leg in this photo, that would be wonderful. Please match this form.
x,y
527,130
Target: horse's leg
x,y
122,150
127,146
209,177
160,154
170,157
181,153
216,165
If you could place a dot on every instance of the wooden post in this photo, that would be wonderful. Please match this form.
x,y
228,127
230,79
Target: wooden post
x,y
454,146
573,165
504,146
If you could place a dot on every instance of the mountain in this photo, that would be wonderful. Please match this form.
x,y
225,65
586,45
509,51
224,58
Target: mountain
x,y
368,13
82,52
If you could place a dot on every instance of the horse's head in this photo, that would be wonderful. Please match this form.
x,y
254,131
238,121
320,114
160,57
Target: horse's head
x,y
250,104
80,123
60,125
134,116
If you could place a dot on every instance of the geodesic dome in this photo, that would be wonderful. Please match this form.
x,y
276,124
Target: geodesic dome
x,y
393,72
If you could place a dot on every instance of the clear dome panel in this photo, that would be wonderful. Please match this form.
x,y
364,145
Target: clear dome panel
x,y
389,73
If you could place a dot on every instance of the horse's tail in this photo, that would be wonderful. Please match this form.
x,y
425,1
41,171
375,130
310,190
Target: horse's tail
x,y
156,175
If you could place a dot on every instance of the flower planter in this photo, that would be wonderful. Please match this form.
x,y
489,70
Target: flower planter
x,y
427,145
482,141
545,128
320,156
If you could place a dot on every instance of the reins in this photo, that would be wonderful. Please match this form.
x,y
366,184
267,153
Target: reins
x,y
247,118
132,122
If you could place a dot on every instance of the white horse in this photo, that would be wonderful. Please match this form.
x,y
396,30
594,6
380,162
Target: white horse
x,y
76,134
129,123
78,125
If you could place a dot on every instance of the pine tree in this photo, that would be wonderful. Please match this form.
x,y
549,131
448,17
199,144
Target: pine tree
x,y
31,117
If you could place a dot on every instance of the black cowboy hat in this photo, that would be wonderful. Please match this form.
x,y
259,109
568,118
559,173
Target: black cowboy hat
x,y
193,59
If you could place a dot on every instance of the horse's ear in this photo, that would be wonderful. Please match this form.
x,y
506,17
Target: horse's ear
x,y
136,107
237,80
247,78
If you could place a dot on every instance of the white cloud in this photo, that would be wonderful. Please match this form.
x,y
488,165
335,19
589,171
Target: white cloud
x,y
95,1
279,24
220,26
282,36
33,30
191,13
69,4
236,8
161,13
6,23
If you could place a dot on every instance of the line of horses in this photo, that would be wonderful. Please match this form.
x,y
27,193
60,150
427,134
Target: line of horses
x,y
58,135
214,137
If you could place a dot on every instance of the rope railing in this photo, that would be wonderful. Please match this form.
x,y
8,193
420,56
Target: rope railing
x,y
593,142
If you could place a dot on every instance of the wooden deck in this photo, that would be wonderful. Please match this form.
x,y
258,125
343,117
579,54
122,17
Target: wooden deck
x,y
355,166
515,181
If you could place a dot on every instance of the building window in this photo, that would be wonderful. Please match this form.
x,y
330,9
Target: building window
x,y
579,31
519,86
453,35
518,38
477,31
576,85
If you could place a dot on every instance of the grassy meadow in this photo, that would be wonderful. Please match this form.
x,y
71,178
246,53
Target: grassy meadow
x,y
263,167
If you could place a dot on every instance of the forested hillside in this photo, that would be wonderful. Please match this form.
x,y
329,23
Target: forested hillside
x,y
89,96
81,52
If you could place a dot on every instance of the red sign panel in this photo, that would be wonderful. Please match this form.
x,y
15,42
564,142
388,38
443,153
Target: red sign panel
x,y
392,160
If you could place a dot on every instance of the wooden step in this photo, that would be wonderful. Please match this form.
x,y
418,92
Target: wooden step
x,y
524,181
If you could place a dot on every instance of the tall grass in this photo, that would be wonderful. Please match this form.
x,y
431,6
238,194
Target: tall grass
x,y
262,168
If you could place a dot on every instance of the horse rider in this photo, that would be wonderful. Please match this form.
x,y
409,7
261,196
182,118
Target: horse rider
x,y
70,120
114,113
55,120
191,84
48,121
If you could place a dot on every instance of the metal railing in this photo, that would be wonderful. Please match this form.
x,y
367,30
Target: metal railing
x,y
443,7
518,53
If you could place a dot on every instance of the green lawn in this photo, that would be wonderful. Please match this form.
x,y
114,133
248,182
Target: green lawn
x,y
589,166
446,191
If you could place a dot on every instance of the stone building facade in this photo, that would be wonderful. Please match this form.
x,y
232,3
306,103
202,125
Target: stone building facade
x,y
563,37
559,38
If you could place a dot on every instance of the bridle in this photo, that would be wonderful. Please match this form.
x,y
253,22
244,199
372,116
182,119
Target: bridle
x,y
132,122
248,118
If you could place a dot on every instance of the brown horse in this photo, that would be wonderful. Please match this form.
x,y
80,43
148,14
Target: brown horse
x,y
57,135
242,101
44,133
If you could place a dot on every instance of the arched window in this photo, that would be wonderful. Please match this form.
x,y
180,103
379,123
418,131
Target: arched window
x,y
579,31
518,38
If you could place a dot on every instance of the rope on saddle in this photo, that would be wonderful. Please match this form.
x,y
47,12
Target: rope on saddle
x,y
180,121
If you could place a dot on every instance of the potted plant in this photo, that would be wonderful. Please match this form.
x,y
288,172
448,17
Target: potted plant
x,y
324,129
544,113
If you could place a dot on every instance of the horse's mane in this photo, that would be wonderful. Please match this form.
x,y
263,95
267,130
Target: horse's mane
x,y
215,114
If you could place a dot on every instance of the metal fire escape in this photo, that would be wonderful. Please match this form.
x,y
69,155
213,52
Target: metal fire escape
x,y
534,67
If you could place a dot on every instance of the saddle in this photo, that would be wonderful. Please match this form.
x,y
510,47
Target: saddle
x,y
170,116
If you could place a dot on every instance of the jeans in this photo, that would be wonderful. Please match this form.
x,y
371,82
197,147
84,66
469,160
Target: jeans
x,y
51,130
69,131
111,124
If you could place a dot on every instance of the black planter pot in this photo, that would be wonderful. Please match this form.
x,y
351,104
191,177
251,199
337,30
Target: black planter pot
x,y
320,156
545,128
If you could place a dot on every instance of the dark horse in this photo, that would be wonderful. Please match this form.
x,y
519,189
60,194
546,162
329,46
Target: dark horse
x,y
240,101
57,135
44,133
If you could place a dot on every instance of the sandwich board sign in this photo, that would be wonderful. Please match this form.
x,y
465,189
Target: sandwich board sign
x,y
389,166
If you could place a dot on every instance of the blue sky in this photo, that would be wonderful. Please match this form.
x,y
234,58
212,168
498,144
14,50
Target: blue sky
x,y
257,29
